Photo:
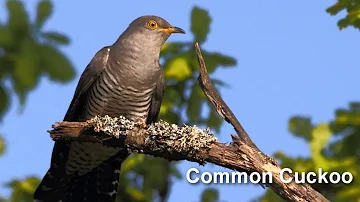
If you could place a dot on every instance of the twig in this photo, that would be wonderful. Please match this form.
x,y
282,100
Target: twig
x,y
288,193
219,104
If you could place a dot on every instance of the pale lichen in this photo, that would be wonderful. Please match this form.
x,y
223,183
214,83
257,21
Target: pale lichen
x,y
186,139
113,126
160,135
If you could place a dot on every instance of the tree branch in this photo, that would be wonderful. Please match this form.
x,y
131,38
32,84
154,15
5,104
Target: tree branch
x,y
174,142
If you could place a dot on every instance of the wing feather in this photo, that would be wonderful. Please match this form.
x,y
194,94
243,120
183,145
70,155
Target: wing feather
x,y
88,77
156,100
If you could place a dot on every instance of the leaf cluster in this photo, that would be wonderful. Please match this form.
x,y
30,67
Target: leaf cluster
x,y
352,17
27,52
334,148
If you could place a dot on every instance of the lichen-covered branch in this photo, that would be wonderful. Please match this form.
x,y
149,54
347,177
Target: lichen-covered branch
x,y
175,142
159,139
188,142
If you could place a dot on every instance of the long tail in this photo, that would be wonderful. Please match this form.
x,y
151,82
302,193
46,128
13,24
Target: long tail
x,y
100,184
53,184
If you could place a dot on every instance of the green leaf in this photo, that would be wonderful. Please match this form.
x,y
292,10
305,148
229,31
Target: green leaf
x,y
214,120
155,173
200,24
336,8
22,190
131,162
171,48
44,10
27,65
135,193
18,21
177,68
6,38
194,104
165,107
171,117
57,38
215,60
355,107
300,126
173,93
296,164
350,193
346,119
2,145
5,102
26,70
210,195
55,64
352,17
320,138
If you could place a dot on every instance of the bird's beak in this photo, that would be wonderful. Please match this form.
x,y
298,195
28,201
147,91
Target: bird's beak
x,y
172,29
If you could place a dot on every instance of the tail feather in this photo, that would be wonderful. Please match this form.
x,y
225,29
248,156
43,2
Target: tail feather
x,y
100,184
52,186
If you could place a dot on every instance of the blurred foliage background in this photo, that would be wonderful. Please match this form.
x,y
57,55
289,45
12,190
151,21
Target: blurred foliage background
x,y
28,53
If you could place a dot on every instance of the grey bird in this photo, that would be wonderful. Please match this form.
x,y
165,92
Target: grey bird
x,y
124,79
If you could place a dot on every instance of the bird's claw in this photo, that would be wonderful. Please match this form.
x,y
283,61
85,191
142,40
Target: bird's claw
x,y
142,124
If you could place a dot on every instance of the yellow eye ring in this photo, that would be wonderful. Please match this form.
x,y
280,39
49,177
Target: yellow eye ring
x,y
152,24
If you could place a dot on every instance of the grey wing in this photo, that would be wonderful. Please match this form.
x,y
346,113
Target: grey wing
x,y
90,74
156,100
52,185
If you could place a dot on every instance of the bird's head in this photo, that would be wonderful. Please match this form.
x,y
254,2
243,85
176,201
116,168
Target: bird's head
x,y
155,24
151,29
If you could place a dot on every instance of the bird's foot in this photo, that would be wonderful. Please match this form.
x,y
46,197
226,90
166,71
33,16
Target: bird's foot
x,y
142,124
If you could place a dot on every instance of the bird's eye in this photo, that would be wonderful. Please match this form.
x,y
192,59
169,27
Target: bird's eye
x,y
152,24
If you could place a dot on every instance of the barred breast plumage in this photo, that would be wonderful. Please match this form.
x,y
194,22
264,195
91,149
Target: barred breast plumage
x,y
110,96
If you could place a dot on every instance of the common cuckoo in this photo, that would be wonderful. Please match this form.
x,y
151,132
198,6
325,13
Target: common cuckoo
x,y
122,79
